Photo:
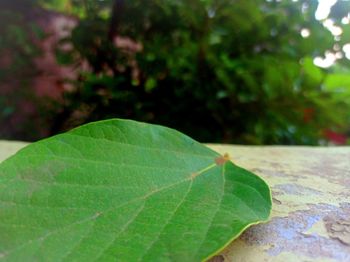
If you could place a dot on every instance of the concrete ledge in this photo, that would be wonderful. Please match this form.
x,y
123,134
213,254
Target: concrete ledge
x,y
311,193
8,148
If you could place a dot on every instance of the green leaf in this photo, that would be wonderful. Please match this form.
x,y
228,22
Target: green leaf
x,y
336,81
120,190
312,72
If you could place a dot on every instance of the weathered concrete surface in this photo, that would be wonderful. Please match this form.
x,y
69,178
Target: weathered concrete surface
x,y
311,204
311,213
9,148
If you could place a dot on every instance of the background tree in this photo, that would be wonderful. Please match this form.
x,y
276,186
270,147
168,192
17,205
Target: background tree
x,y
237,71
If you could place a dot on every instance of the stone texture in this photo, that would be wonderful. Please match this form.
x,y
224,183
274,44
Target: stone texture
x,y
310,218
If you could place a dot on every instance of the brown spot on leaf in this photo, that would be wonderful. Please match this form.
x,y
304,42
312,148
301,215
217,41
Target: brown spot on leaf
x,y
222,159
193,175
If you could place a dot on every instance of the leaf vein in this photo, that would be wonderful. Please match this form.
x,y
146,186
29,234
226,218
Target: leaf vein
x,y
167,222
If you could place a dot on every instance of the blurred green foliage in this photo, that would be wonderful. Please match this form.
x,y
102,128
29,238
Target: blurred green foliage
x,y
234,71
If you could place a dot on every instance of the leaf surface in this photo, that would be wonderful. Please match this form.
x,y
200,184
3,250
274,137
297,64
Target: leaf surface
x,y
120,190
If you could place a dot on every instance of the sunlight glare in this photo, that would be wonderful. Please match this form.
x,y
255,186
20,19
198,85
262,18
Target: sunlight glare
x,y
324,8
325,62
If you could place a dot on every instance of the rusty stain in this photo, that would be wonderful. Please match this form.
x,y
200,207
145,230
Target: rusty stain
x,y
222,159
194,175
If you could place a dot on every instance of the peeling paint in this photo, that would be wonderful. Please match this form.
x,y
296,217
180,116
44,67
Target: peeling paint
x,y
338,229
311,211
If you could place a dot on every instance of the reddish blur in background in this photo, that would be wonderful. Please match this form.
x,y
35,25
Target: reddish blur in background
x,y
242,71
